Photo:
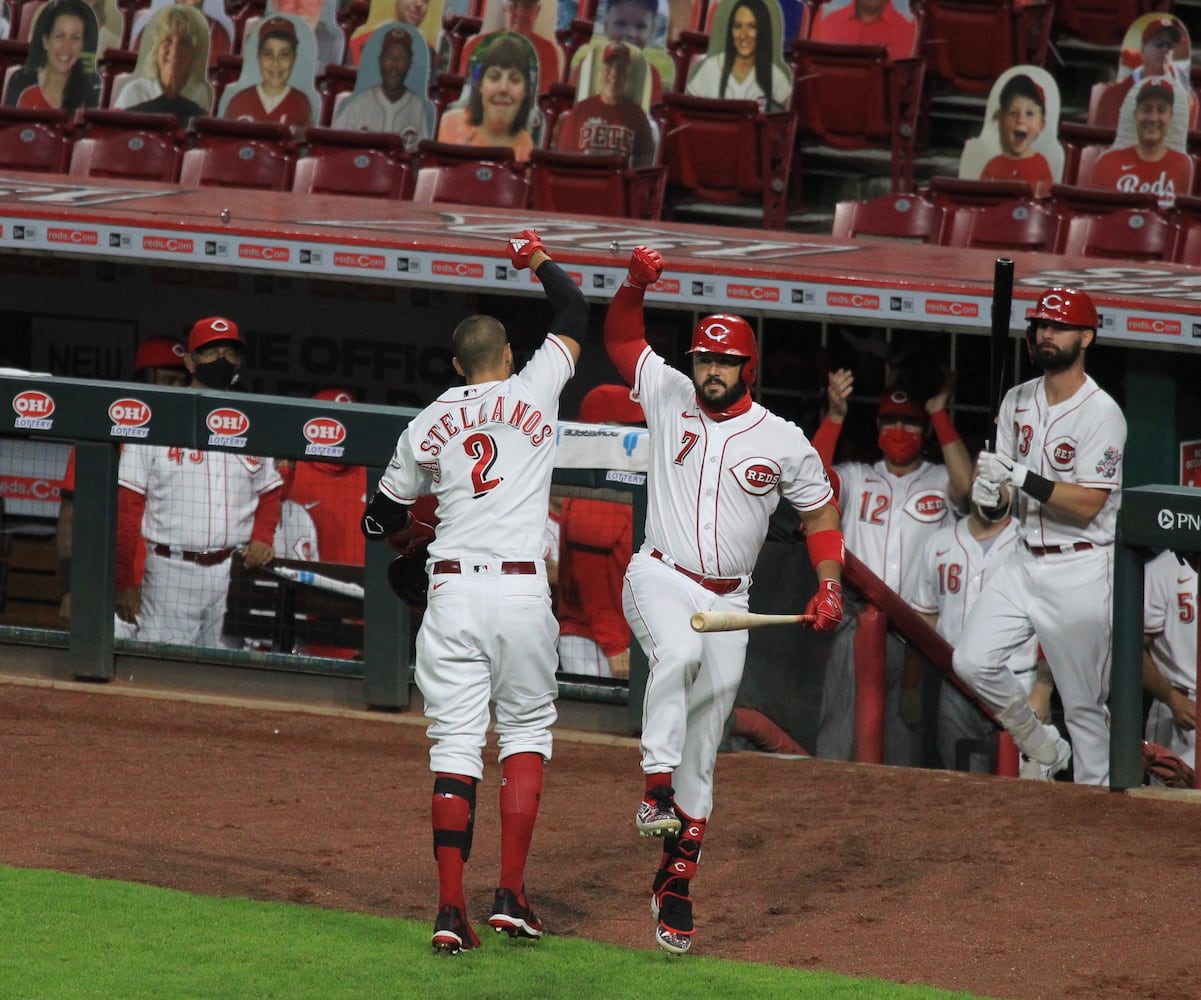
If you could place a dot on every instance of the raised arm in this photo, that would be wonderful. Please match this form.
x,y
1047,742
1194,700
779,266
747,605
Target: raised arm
x,y
570,320
625,330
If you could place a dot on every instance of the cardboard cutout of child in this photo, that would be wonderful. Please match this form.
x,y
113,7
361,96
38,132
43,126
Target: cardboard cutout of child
x,y
1019,139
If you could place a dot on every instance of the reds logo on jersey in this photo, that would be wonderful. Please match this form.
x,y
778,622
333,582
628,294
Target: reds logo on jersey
x,y
757,476
1063,454
926,507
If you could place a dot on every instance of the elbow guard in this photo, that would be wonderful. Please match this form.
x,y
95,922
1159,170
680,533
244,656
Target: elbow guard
x,y
383,516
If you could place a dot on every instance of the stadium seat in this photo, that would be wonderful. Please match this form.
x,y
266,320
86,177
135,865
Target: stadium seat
x,y
112,64
445,154
1126,234
12,53
854,97
894,216
969,43
35,140
687,48
484,183
457,29
128,144
332,84
1075,138
367,164
579,184
230,153
1102,22
1186,214
1025,224
726,152
1071,200
226,70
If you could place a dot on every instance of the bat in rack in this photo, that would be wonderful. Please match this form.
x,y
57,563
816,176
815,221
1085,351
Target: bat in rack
x,y
732,621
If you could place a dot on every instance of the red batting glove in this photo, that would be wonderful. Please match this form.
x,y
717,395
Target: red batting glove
x,y
411,537
645,267
826,604
523,246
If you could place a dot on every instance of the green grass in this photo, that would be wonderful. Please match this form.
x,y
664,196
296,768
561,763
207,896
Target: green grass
x,y
69,937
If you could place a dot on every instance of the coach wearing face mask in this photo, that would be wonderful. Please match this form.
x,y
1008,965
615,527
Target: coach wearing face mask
x,y
197,510
889,508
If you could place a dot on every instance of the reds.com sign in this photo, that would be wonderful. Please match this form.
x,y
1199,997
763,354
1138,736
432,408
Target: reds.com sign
x,y
33,408
129,417
227,427
80,237
457,268
258,251
167,244
365,261
852,300
1146,324
324,436
949,307
758,293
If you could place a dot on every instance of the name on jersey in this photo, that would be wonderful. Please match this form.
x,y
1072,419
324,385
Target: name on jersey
x,y
129,417
227,427
757,476
33,409
926,507
516,413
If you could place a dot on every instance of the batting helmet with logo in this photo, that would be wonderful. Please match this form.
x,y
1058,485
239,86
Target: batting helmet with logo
x,y
726,334
1068,306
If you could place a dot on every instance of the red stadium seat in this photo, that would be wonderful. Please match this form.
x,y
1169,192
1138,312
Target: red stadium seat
x,y
35,140
367,164
1186,214
686,49
128,144
113,63
969,43
445,154
894,216
727,152
1025,224
484,183
231,153
1075,138
335,81
1125,234
579,184
854,97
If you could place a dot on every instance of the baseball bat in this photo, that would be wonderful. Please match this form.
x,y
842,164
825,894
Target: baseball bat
x,y
319,580
732,621
1002,305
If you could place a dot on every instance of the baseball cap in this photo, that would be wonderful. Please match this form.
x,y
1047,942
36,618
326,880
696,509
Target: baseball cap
x,y
397,36
1157,87
278,27
335,396
159,352
898,403
610,404
213,330
1158,24
616,52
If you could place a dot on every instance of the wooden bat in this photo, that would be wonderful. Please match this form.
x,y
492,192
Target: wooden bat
x,y
732,621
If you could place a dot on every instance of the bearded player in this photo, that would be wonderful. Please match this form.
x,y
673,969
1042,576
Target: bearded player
x,y
719,464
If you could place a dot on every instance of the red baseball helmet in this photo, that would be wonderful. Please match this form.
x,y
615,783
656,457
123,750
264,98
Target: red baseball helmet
x,y
335,395
1068,306
159,352
213,330
726,334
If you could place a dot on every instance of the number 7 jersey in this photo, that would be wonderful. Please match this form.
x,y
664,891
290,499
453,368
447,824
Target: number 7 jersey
x,y
487,453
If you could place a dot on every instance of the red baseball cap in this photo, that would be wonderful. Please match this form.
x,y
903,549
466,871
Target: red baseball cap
x,y
1158,24
616,52
213,330
335,396
610,404
159,352
898,403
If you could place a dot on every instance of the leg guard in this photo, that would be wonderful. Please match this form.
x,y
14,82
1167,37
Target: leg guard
x,y
453,813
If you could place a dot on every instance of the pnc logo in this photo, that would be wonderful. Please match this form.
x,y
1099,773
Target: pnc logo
x,y
324,430
33,403
852,300
949,307
1146,324
366,261
256,251
227,422
167,244
760,293
80,237
458,269
129,413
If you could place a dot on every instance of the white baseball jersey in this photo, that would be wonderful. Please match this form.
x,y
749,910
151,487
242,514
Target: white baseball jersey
x,y
196,500
296,535
712,485
886,519
1170,617
1077,441
954,566
487,452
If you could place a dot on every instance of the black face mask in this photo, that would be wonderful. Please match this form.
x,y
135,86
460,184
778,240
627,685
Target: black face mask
x,y
219,374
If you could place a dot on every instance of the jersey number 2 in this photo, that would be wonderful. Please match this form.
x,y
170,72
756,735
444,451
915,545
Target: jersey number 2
x,y
481,448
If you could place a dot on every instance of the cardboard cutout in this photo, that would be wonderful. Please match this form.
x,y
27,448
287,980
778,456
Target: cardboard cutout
x,y
744,61
889,23
610,111
407,110
60,70
1019,140
170,75
277,74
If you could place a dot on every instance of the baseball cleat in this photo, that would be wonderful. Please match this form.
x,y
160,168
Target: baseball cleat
x,y
452,932
674,927
510,917
656,815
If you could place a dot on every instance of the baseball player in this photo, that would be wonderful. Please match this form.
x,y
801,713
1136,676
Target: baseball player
x,y
194,508
486,450
156,361
1170,653
889,509
1059,455
719,464
955,561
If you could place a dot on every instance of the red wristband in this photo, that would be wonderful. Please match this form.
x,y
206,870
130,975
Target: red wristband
x,y
825,545
940,420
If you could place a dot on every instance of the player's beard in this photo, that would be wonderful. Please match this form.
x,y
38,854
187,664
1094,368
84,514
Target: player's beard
x,y
723,402
1052,359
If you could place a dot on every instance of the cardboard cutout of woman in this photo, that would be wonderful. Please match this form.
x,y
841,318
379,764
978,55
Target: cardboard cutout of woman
x,y
744,61
276,85
59,72
1019,141
171,72
221,28
534,20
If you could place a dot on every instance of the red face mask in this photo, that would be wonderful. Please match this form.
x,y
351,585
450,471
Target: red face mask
x,y
900,446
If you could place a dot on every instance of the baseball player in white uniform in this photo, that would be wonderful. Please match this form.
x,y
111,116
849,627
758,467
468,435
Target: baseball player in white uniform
x,y
1060,439
1170,653
486,450
956,561
719,464
889,509
195,508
